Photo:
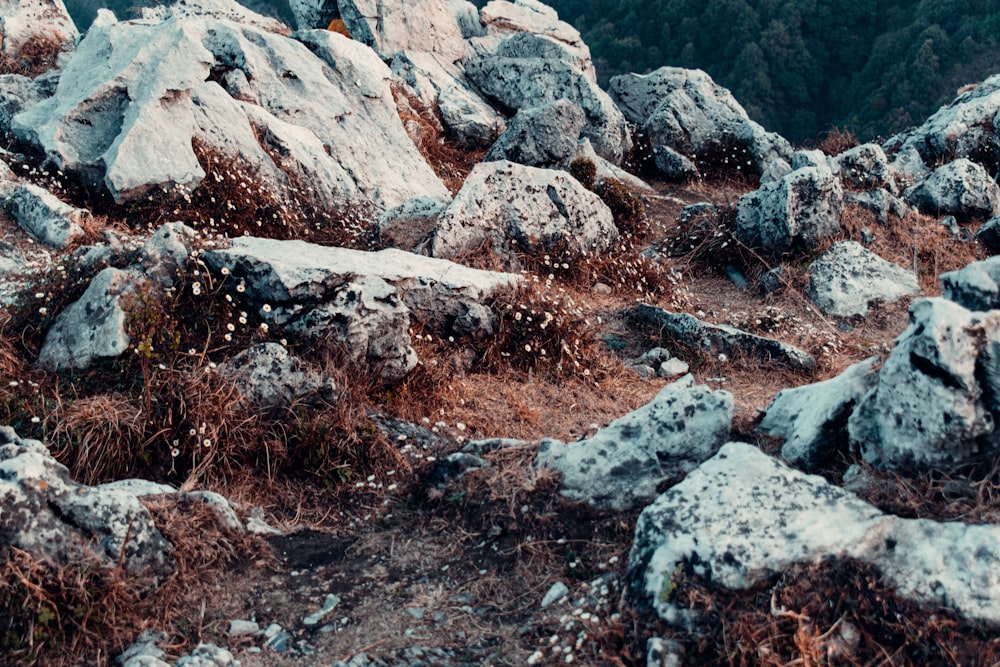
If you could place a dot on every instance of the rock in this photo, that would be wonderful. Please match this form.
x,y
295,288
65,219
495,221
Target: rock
x,y
367,320
672,368
965,128
329,604
812,419
417,25
286,273
881,203
802,209
866,167
406,226
961,188
687,112
624,465
93,327
144,652
556,592
814,158
988,235
17,93
664,653
743,516
515,209
309,14
531,16
673,165
44,216
976,286
242,628
717,339
44,24
928,409
269,377
57,520
528,71
136,94
166,252
208,655
540,136
845,279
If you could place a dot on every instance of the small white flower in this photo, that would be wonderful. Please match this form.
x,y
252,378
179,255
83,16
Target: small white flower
x,y
196,288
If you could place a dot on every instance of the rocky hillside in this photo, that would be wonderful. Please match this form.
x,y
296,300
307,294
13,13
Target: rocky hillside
x,y
391,338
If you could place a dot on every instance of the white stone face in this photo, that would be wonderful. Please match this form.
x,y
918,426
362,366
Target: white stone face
x,y
847,277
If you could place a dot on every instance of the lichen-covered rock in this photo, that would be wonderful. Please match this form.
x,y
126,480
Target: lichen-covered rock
x,y
541,136
812,419
93,327
416,25
407,225
515,208
504,18
625,464
960,188
964,128
137,95
845,279
803,209
528,71
269,377
930,408
687,112
53,518
743,516
166,252
44,216
988,235
45,23
881,203
975,286
367,319
866,167
673,165
717,339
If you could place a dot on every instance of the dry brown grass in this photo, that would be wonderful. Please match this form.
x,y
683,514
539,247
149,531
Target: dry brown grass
x,y
99,437
36,56
836,141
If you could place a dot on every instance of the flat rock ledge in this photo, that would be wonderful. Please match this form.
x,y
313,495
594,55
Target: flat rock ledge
x,y
743,516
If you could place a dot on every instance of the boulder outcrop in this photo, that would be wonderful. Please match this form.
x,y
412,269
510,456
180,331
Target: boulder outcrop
x,y
961,188
845,279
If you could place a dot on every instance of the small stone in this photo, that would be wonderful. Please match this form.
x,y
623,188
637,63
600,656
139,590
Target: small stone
x,y
558,591
241,628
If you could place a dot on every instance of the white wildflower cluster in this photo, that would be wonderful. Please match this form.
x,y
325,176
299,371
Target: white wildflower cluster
x,y
586,611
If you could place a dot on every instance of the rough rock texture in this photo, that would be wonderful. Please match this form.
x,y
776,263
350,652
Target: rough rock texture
x,y
933,405
743,516
418,25
24,21
719,339
45,216
17,93
812,419
523,209
407,225
673,165
55,519
137,93
623,465
528,71
531,16
883,204
687,112
803,208
866,167
540,136
269,377
965,128
93,327
960,188
286,273
988,235
166,252
847,277
367,319
976,286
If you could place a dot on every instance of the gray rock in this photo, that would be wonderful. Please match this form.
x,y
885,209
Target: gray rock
x,y
503,18
717,339
208,655
330,603
673,165
866,167
964,128
93,327
928,409
167,251
988,235
976,286
242,628
664,653
269,377
407,225
430,26
17,93
812,419
672,368
295,273
624,464
742,516
145,93
845,279
529,71
961,188
814,158
22,21
367,319
556,592
57,520
803,208
687,112
523,209
44,216
309,14
541,136
881,203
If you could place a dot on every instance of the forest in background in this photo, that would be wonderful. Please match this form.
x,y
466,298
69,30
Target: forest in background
x,y
799,67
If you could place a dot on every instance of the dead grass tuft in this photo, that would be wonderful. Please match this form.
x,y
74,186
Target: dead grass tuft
x,y
836,141
38,55
98,437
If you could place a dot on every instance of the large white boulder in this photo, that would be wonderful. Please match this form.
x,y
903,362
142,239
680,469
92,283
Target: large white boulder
x,y
136,94
975,286
516,208
430,26
624,464
845,279
743,516
686,112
